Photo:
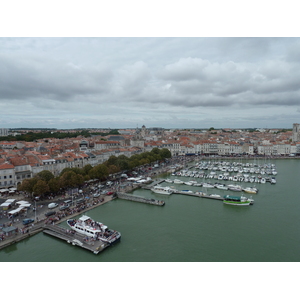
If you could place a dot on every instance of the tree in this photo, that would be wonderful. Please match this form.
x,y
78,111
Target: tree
x,y
165,153
69,179
87,168
99,172
27,185
54,185
40,188
45,175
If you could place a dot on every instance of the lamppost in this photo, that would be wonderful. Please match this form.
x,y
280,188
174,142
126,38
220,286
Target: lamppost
x,y
34,210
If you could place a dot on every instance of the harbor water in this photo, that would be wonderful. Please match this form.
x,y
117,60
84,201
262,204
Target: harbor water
x,y
189,229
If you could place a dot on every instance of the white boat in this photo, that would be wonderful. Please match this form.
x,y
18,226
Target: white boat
x,y
164,190
250,190
221,187
187,191
188,183
87,226
177,181
215,195
168,180
207,185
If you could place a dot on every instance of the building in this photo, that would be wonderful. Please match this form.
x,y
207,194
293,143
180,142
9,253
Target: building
x,y
3,132
296,133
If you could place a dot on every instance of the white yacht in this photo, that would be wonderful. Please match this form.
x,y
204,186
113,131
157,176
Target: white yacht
x,y
164,190
87,226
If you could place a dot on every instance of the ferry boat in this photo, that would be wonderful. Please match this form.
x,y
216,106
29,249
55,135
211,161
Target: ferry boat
x,y
236,200
87,226
164,190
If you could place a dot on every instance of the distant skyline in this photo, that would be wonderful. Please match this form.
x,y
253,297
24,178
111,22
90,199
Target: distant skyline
x,y
68,83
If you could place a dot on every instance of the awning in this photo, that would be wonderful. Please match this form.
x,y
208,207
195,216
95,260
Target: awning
x,y
5,204
4,190
9,229
12,212
22,202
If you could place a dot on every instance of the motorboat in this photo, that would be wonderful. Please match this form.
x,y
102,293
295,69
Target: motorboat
x,y
87,226
250,190
177,181
164,190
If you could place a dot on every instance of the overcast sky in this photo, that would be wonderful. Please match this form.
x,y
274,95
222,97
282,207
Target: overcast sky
x,y
164,82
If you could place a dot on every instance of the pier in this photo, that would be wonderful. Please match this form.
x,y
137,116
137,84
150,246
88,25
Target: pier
x,y
199,195
140,199
76,239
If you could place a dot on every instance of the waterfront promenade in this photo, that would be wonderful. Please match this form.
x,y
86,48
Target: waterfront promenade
x,y
36,227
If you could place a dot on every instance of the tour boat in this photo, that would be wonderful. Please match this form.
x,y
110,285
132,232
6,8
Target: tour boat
x,y
87,226
164,190
235,200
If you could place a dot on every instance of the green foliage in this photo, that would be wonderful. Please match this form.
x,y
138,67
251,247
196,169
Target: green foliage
x,y
45,175
40,188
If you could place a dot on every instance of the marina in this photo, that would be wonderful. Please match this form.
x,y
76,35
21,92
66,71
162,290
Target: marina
x,y
249,233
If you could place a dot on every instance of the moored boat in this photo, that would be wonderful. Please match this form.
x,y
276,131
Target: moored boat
x,y
250,190
164,190
236,200
87,226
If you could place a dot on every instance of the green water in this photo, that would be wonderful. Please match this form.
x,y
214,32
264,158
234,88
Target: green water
x,y
189,229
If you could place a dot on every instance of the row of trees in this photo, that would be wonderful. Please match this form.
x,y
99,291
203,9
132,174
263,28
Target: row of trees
x,y
45,182
32,136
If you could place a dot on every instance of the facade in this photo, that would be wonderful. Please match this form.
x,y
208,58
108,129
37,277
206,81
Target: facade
x,y
7,175
296,132
3,132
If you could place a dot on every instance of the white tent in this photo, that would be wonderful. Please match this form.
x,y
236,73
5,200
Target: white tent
x,y
10,200
12,212
21,202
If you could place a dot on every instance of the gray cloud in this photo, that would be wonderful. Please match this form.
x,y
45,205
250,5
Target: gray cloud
x,y
92,80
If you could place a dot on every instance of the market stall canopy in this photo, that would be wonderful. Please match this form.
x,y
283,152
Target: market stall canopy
x,y
17,210
21,202
9,229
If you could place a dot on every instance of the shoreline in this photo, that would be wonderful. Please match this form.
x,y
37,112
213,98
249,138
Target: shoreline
x,y
39,226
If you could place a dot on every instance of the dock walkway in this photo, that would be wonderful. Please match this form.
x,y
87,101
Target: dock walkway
x,y
76,239
140,199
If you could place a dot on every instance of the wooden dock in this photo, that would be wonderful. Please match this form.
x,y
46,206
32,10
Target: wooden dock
x,y
76,239
140,199
199,195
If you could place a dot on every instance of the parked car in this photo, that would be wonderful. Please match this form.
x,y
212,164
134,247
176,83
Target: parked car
x,y
68,202
96,195
109,193
50,213
27,221
52,205
64,207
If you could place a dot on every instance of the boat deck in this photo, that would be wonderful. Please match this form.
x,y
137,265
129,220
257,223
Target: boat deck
x,y
76,239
